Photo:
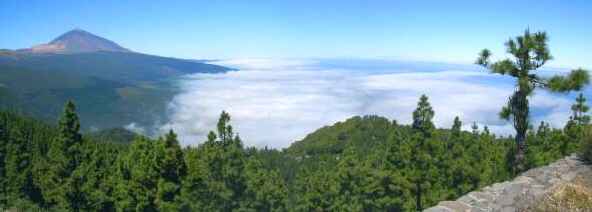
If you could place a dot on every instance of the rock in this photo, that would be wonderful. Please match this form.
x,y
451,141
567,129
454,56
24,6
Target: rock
x,y
456,206
467,199
523,191
482,196
508,209
569,176
438,209
507,198
537,190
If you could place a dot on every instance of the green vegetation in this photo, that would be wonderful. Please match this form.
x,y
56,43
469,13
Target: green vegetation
x,y
579,110
363,164
112,89
579,124
586,148
530,53
113,135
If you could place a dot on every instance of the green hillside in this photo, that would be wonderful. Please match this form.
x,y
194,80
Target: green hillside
x,y
113,135
123,67
113,88
365,163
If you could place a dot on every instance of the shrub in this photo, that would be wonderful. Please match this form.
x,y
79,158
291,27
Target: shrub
x,y
586,146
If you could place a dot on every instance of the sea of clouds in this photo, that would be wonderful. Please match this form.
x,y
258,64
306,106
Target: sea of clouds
x,y
276,102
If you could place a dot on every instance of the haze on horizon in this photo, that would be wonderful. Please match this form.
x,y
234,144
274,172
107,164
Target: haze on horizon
x,y
408,30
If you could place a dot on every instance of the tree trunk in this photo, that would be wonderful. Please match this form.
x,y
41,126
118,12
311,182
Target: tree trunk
x,y
520,110
519,163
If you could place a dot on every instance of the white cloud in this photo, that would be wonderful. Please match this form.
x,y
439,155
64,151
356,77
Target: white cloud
x,y
135,128
261,64
284,100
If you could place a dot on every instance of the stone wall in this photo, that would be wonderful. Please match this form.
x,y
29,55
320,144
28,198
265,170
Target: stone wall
x,y
522,192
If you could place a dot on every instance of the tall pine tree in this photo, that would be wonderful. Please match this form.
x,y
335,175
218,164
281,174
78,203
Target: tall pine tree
x,y
424,151
216,178
19,174
423,115
530,52
456,127
579,110
172,170
64,157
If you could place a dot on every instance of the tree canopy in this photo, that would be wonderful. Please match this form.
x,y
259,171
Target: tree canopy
x,y
530,52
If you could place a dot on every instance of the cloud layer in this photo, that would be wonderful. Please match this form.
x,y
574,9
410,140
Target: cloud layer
x,y
275,102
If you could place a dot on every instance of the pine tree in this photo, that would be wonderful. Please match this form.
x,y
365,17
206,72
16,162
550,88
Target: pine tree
x,y
19,164
64,157
172,170
530,52
456,127
216,171
486,130
579,110
575,129
194,185
225,133
424,151
138,173
423,115
475,129
97,170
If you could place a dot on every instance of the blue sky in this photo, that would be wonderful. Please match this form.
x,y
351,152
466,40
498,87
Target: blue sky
x,y
450,31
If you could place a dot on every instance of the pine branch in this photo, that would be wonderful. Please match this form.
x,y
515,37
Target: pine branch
x,y
574,81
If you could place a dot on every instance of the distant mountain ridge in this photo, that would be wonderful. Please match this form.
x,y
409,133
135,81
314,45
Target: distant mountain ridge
x,y
111,85
77,41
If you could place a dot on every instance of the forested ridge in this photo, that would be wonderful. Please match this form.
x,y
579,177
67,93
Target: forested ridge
x,y
366,163
362,164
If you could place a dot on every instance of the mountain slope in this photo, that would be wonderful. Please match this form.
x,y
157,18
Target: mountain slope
x,y
112,86
102,103
117,66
